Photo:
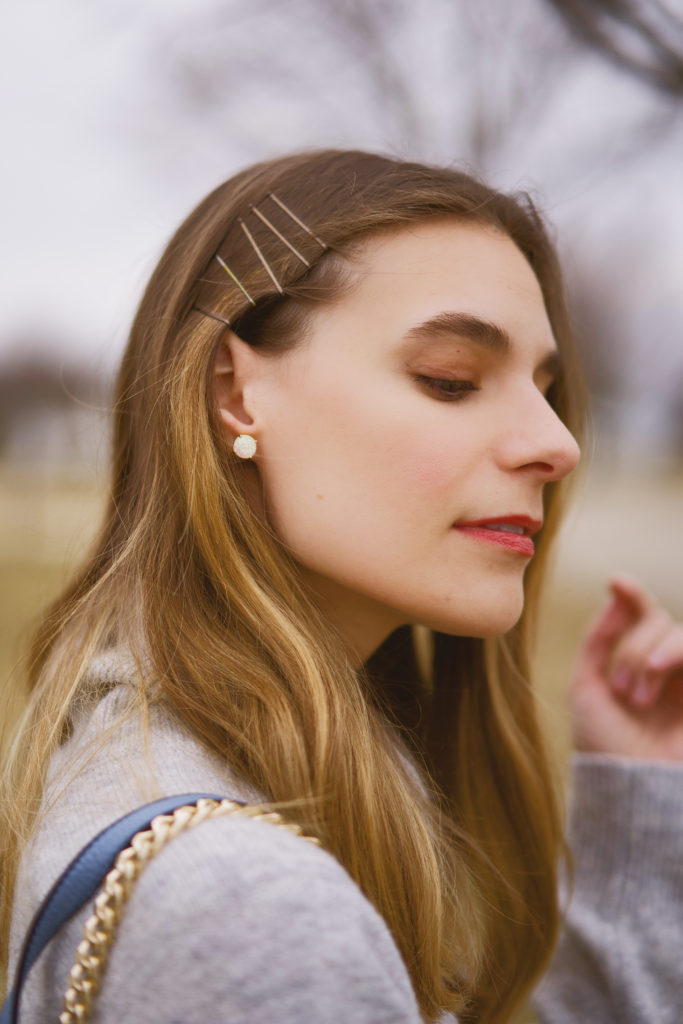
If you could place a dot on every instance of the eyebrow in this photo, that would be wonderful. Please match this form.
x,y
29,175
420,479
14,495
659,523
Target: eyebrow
x,y
482,332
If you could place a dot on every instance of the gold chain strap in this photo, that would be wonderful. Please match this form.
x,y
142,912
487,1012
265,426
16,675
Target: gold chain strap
x,y
100,928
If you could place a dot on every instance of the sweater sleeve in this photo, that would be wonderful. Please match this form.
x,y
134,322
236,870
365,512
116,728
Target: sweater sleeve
x,y
620,957
240,922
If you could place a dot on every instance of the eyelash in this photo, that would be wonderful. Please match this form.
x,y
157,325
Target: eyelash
x,y
462,388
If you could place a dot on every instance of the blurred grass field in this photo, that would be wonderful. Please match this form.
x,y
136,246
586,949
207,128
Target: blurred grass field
x,y
46,524
620,521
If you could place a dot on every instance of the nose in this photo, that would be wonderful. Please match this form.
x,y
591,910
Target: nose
x,y
538,440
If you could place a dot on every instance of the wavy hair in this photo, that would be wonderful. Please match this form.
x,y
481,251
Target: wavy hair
x,y
424,772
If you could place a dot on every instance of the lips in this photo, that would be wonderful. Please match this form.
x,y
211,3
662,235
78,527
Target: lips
x,y
513,532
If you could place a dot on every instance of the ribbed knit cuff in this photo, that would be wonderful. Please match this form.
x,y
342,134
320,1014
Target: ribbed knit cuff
x,y
626,820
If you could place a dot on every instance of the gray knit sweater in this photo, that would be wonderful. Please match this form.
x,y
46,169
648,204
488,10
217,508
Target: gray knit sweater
x,y
237,922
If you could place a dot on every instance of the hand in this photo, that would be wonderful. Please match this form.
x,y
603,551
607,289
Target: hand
x,y
627,686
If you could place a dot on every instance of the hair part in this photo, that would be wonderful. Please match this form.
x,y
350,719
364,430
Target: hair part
x,y
424,773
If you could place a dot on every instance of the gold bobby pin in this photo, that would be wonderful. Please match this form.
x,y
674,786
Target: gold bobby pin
x,y
296,220
260,255
233,277
214,316
252,241
282,238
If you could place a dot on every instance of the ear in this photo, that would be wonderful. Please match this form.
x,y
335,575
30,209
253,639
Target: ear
x,y
234,370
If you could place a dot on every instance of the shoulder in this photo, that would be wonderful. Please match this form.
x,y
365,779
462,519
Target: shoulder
x,y
234,920
118,757
238,920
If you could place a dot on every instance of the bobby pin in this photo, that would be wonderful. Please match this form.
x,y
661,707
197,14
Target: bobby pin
x,y
286,209
233,277
282,238
214,316
260,255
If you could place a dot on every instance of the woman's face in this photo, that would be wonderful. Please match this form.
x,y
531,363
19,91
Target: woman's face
x,y
415,407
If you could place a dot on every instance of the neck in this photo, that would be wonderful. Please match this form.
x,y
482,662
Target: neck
x,y
364,624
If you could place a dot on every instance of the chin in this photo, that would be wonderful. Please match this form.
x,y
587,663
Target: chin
x,y
490,620
493,630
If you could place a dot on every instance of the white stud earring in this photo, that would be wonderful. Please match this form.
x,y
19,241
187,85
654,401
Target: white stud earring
x,y
245,446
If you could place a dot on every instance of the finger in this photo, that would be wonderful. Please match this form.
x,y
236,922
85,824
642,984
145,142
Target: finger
x,y
674,689
667,657
605,630
631,674
633,594
659,687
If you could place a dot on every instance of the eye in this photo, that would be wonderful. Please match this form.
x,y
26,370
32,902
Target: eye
x,y
446,389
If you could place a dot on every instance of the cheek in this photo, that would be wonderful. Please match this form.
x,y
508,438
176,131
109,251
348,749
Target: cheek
x,y
380,452
353,459
441,457
431,467
361,472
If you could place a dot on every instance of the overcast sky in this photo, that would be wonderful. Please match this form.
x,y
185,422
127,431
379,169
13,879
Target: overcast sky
x,y
117,117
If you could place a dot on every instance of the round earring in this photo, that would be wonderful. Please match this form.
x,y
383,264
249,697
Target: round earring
x,y
244,446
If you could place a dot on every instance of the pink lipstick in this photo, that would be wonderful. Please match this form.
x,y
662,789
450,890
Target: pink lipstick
x,y
512,532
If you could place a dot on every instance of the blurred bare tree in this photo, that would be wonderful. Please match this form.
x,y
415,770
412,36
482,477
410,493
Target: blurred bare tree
x,y
508,89
476,81
480,83
645,38
51,412
442,79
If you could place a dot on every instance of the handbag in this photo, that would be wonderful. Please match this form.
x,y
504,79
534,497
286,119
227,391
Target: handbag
x,y
119,852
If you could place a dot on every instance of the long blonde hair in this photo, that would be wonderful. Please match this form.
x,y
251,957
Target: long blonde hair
x,y
459,856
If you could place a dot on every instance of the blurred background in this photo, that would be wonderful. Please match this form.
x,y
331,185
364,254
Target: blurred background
x,y
117,117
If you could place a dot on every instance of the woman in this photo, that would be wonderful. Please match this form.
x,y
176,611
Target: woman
x,y
343,420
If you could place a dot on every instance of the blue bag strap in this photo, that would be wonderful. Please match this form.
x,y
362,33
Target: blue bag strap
x,y
79,881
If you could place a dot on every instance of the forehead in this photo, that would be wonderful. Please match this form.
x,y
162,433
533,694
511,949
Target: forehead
x,y
407,278
470,267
